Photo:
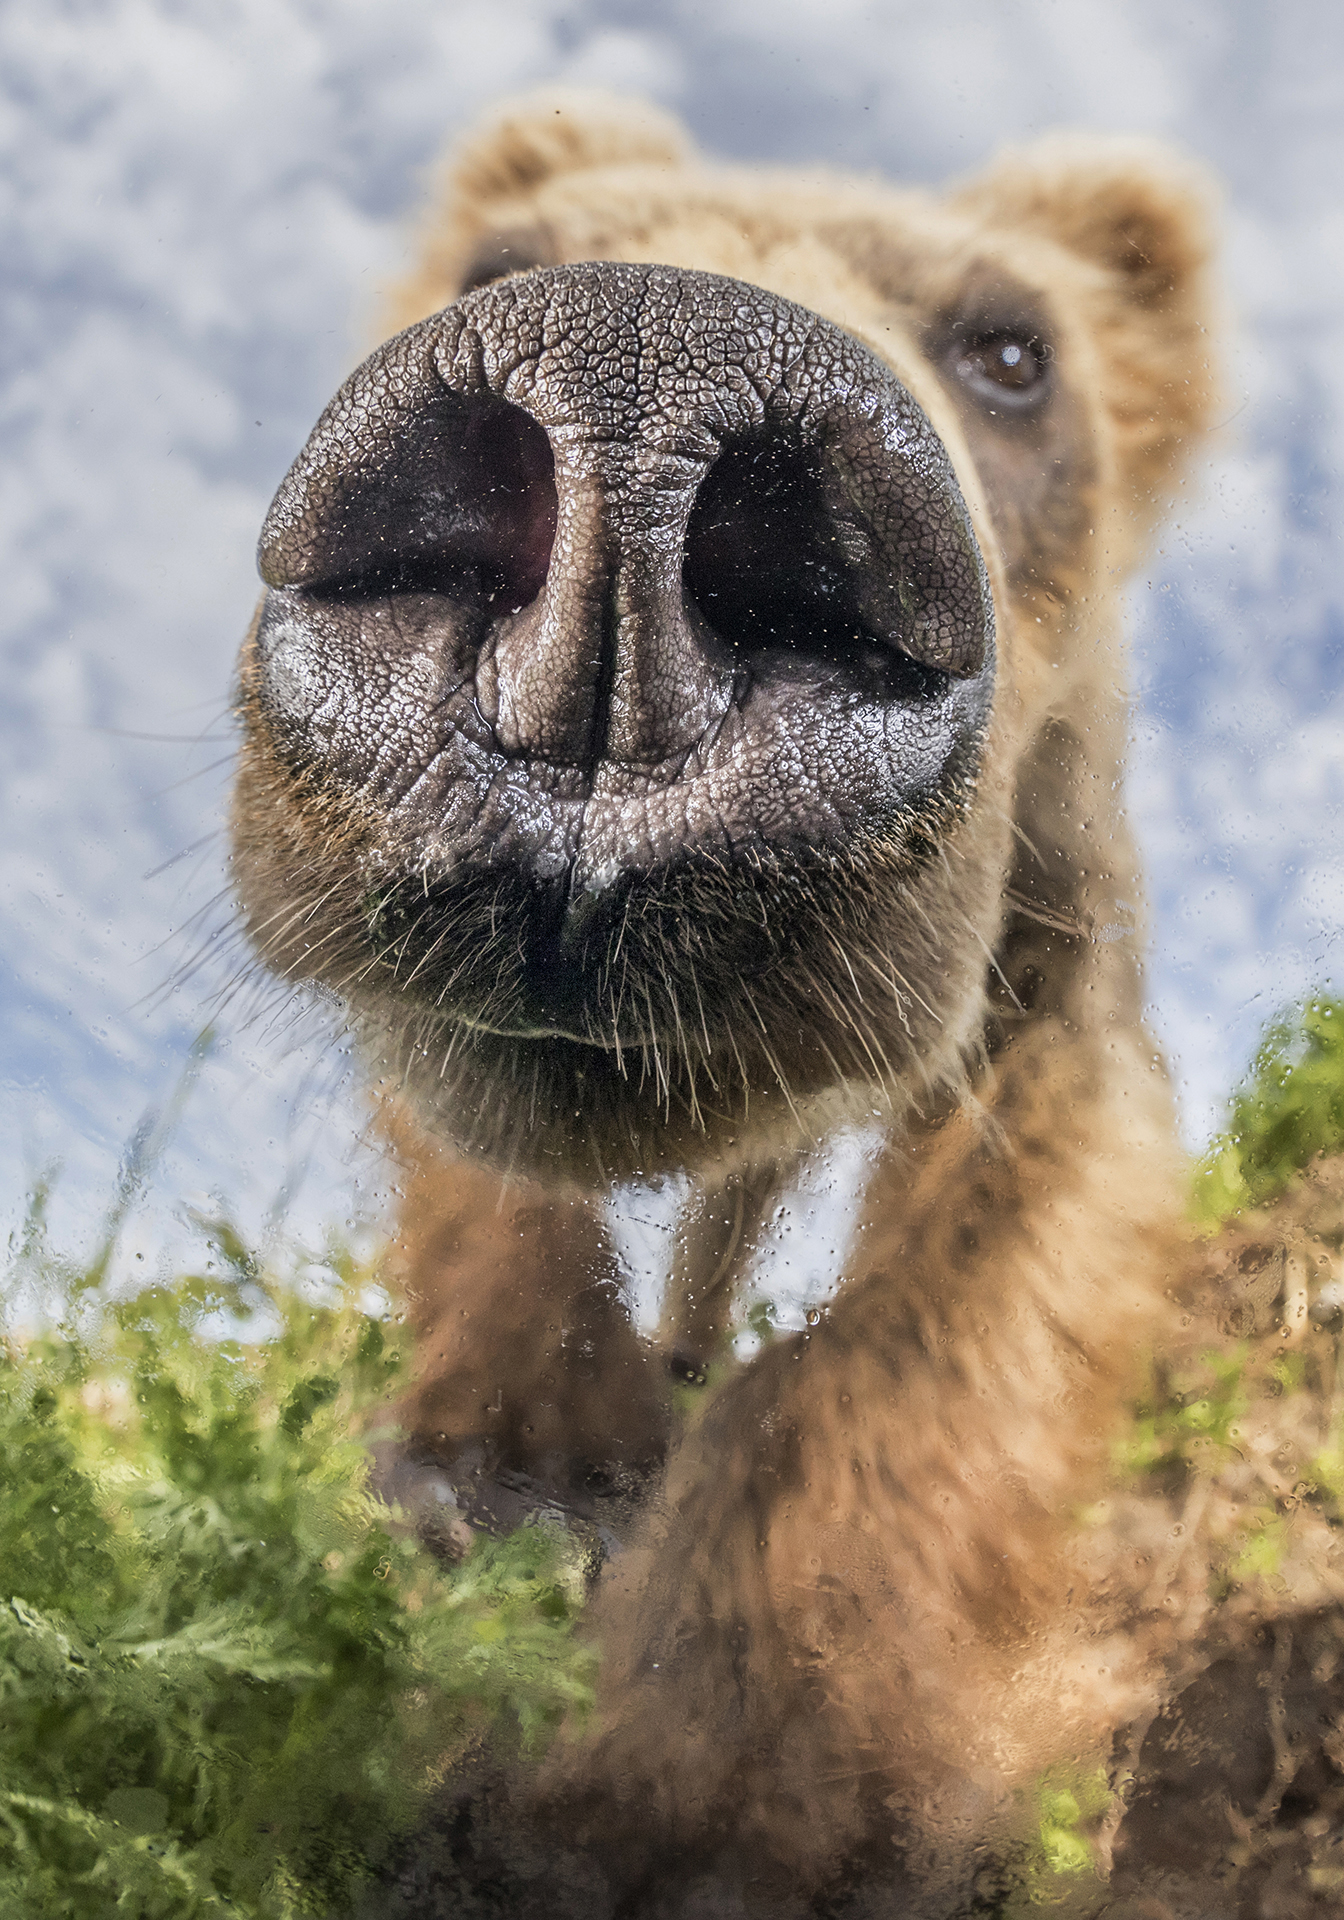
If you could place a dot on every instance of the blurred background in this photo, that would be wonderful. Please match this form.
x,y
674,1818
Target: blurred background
x,y
201,202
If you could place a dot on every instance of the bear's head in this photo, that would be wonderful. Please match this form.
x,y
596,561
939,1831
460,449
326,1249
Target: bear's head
x,y
660,639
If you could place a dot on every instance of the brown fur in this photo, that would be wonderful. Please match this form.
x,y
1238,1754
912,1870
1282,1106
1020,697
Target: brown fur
x,y
860,1619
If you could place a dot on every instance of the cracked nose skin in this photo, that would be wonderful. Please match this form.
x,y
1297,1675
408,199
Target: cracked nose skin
x,y
628,487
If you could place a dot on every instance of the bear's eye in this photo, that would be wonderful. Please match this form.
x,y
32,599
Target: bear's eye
x,y
1008,371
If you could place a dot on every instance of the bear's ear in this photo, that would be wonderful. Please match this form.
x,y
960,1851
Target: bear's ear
x,y
1132,206
537,135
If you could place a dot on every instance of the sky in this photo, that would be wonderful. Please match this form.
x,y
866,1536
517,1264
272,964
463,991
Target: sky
x,y
200,201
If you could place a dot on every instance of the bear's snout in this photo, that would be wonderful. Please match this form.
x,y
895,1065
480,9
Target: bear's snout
x,y
635,493
630,611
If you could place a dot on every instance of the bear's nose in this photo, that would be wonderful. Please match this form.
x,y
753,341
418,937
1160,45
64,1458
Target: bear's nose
x,y
631,488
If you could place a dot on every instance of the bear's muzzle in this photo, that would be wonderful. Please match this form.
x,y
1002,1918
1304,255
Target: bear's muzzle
x,y
605,578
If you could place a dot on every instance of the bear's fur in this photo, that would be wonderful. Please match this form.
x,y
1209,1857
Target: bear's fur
x,y
859,1619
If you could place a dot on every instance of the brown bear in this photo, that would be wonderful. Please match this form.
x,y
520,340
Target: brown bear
x,y
687,715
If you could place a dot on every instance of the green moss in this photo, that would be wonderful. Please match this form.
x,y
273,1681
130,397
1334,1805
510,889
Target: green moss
x,y
1288,1371
1288,1112
1264,1543
226,1682
1327,1472
1068,1808
1181,1417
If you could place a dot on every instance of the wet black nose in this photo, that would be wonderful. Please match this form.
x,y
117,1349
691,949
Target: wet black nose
x,y
627,489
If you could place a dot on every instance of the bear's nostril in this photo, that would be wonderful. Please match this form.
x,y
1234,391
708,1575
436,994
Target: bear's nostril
x,y
763,561
814,549
462,502
775,570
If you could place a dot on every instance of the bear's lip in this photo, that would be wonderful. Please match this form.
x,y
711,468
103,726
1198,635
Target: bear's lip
x,y
586,955
482,747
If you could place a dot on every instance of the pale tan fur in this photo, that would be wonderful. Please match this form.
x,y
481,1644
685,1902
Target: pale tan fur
x,y
861,1618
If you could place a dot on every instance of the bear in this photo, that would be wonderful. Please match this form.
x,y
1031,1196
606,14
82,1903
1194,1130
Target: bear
x,y
686,717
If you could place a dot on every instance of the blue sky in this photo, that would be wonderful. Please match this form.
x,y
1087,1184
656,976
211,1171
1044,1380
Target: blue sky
x,y
201,200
